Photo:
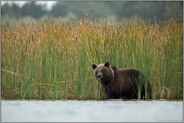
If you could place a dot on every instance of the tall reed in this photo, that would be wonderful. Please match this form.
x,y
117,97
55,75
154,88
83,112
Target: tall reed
x,y
50,59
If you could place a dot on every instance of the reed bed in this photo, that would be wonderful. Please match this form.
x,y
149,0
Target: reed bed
x,y
50,59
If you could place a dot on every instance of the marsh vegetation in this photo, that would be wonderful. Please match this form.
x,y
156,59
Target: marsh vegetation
x,y
49,59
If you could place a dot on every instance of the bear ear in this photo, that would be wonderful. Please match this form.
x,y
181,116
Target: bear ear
x,y
106,64
94,66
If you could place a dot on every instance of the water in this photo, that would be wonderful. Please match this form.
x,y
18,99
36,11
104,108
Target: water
x,y
91,111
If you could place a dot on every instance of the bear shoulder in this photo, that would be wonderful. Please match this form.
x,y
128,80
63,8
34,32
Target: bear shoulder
x,y
114,68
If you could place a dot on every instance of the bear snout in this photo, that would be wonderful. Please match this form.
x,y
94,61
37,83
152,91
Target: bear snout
x,y
99,76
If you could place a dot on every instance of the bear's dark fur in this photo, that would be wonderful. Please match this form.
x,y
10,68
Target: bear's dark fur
x,y
122,83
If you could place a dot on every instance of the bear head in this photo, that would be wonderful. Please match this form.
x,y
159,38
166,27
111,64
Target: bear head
x,y
103,72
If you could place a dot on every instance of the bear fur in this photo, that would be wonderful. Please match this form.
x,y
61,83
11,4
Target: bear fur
x,y
122,83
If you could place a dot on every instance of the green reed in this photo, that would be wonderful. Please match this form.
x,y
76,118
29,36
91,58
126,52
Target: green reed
x,y
52,60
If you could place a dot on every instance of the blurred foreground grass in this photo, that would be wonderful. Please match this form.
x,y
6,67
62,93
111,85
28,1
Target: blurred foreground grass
x,y
52,60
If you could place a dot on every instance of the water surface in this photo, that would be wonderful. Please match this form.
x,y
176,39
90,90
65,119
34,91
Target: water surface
x,y
91,111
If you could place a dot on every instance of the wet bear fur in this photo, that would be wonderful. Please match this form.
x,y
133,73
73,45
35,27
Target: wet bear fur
x,y
122,83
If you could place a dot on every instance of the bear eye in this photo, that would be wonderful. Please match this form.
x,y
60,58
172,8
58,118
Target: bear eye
x,y
102,71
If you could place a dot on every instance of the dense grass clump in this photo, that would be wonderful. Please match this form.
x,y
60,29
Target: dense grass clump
x,y
52,60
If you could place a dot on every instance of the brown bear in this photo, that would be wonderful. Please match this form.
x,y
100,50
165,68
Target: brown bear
x,y
122,83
